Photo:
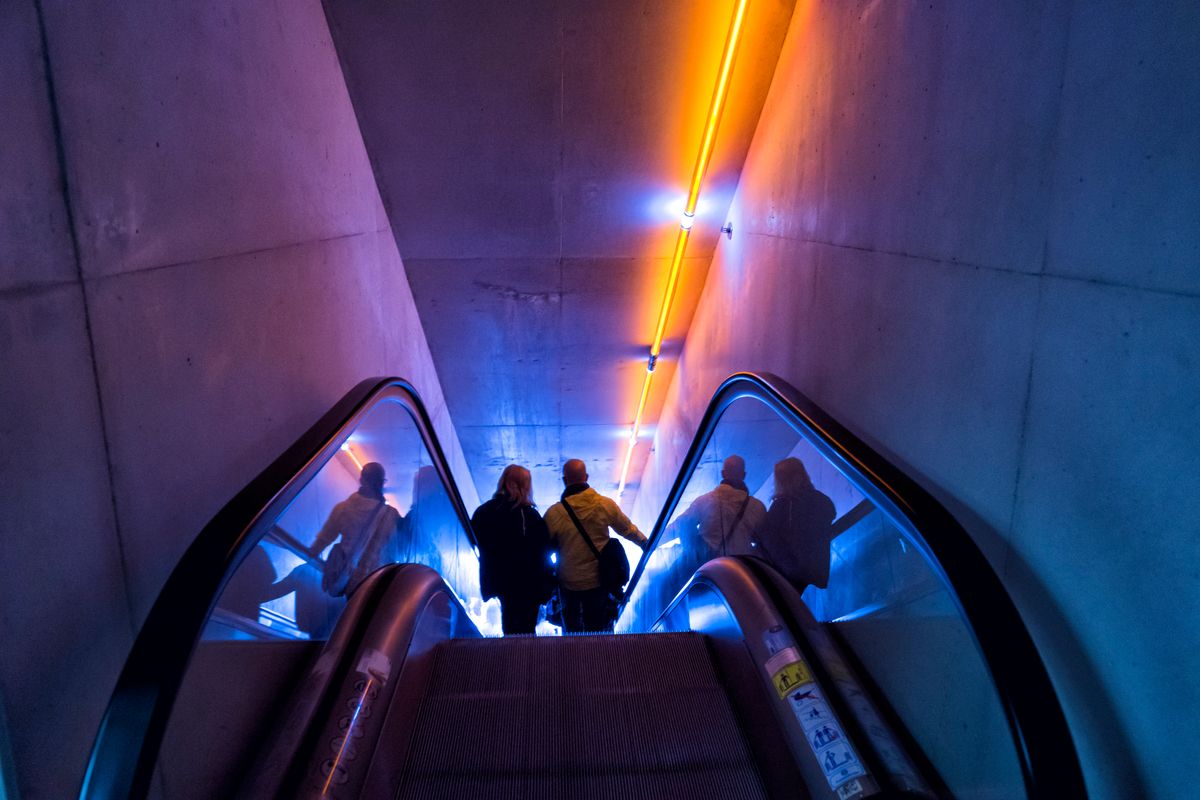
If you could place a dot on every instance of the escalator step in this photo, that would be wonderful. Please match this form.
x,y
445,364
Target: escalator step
x,y
582,716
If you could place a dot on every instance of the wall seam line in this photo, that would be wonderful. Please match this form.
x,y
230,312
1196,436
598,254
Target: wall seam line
x,y
224,256
1041,273
1051,158
1009,544
36,288
61,157
562,157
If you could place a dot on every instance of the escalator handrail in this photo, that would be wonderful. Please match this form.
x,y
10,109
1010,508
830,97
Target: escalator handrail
x,y
127,744
1036,721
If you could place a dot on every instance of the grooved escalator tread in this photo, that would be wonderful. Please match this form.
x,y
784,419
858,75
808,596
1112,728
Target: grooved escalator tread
x,y
631,716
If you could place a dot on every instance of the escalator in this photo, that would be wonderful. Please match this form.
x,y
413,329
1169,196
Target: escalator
x,y
644,697
903,671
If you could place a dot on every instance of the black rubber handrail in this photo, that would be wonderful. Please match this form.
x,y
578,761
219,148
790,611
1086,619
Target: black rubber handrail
x,y
1045,749
126,747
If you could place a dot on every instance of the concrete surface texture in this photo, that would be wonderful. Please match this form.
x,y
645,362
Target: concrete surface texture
x,y
970,232
534,158
194,265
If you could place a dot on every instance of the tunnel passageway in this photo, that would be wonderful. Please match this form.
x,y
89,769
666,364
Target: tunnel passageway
x,y
877,656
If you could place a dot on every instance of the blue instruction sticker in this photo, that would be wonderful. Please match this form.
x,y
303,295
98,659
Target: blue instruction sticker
x,y
825,737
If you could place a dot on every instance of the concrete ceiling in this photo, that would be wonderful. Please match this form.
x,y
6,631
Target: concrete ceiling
x,y
533,159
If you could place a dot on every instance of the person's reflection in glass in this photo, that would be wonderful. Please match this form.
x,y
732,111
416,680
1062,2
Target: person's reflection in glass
x,y
728,518
798,530
316,611
249,585
432,524
364,521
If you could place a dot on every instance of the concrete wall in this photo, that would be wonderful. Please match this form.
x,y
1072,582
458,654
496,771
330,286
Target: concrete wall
x,y
970,232
194,265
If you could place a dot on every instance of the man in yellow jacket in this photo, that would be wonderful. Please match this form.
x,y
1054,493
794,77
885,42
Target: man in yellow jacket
x,y
587,607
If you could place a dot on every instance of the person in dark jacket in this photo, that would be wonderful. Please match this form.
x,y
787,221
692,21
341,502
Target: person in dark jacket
x,y
798,531
514,551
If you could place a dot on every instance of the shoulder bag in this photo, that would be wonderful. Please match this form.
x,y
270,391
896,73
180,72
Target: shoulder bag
x,y
341,562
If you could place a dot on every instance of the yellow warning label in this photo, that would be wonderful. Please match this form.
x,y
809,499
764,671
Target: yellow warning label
x,y
787,678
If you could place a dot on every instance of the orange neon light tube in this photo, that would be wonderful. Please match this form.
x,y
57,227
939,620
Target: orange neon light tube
x,y
664,311
346,449
699,170
637,420
633,435
717,106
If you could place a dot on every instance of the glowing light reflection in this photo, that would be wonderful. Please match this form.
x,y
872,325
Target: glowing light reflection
x,y
348,451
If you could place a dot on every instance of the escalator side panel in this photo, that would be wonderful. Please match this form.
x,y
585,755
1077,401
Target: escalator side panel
x,y
396,733
236,692
837,756
414,610
847,691
309,695
399,610
752,705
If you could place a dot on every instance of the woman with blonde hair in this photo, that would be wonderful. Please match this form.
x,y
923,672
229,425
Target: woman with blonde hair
x,y
798,533
514,551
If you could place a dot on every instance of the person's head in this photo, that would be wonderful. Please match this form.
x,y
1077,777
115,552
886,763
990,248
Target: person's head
x,y
373,477
791,478
574,471
516,484
734,469
426,482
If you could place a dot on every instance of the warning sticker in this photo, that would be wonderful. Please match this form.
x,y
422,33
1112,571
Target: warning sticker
x,y
810,710
840,764
791,676
826,734
781,659
825,737
850,790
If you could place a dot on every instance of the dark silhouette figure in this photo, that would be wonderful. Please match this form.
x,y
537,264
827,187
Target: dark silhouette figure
x,y
249,585
725,520
798,530
316,611
514,551
433,527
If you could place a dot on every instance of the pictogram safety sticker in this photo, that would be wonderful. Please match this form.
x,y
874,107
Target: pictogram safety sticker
x,y
788,678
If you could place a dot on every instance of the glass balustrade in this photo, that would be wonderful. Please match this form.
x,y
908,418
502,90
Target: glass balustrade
x,y
762,489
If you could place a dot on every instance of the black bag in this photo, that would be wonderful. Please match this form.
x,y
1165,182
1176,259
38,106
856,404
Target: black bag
x,y
614,564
